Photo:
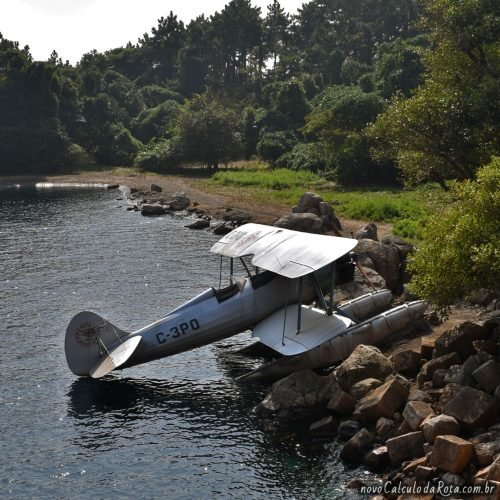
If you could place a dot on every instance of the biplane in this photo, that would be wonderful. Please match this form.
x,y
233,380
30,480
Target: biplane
x,y
284,271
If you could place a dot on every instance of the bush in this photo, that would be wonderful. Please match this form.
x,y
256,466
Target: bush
x,y
461,248
274,144
305,156
159,156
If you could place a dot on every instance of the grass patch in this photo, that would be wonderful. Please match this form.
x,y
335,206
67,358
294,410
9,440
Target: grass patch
x,y
407,209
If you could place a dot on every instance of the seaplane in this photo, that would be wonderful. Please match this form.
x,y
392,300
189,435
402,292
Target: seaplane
x,y
285,297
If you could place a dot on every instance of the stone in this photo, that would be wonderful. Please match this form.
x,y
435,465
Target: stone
x,y
413,465
434,426
386,259
444,362
427,347
377,459
237,217
416,412
488,376
340,401
221,229
153,210
383,401
448,393
405,447
487,345
439,378
384,426
179,202
404,428
348,429
199,224
482,297
472,363
473,408
451,453
496,394
296,396
155,188
304,222
459,339
407,361
424,473
418,395
369,232
327,426
403,247
364,362
484,453
363,387
494,470
356,448
308,201
453,480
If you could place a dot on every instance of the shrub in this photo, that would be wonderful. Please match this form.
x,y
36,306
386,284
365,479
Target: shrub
x,y
274,144
159,156
461,248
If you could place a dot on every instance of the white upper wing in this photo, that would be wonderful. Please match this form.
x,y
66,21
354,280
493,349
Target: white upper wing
x,y
289,253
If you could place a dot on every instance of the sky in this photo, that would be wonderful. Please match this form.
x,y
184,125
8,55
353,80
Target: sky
x,y
74,27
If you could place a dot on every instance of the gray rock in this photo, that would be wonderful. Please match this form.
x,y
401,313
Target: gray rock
x,y
199,224
440,425
407,361
348,429
368,232
459,339
361,388
356,448
405,447
179,202
482,297
472,363
327,426
221,229
473,409
488,376
155,188
304,222
364,362
386,259
153,210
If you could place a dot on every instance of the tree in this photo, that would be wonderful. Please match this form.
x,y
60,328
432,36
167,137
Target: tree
x,y
207,130
450,124
460,251
276,24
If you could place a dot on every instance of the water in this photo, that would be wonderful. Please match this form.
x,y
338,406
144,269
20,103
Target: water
x,y
181,427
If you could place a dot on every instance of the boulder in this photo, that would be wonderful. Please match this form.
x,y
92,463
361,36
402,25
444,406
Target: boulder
x,y
482,297
431,366
363,387
221,229
295,396
473,408
494,470
377,459
340,401
434,426
348,429
416,412
407,361
153,210
451,453
199,224
427,347
369,232
364,362
383,401
405,447
484,453
402,246
179,202
155,188
411,467
460,339
386,260
384,426
327,426
488,376
304,222
356,448
308,203
237,217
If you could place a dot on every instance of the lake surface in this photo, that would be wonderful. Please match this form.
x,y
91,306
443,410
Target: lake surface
x,y
181,427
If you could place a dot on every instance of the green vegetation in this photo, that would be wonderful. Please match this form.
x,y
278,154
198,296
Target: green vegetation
x,y
461,248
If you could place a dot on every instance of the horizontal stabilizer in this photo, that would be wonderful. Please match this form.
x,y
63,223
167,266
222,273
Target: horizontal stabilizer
x,y
115,358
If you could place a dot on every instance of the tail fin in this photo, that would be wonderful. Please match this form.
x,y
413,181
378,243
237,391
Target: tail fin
x,y
91,340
